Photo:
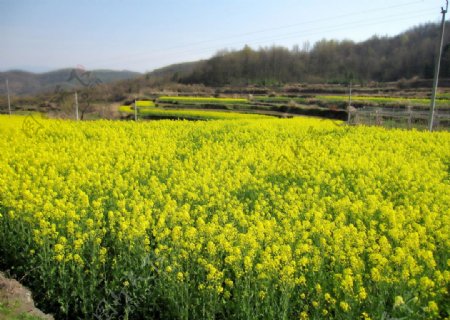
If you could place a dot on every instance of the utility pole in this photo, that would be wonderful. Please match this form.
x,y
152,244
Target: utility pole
x,y
9,100
437,67
135,110
76,105
349,102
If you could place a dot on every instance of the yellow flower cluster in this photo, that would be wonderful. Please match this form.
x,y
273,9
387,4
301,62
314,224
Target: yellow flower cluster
x,y
145,103
442,101
191,114
208,100
142,104
247,219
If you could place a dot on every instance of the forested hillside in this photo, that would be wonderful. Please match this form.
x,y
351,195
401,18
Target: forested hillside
x,y
410,54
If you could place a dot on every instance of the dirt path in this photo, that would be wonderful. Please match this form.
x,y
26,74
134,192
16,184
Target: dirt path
x,y
16,302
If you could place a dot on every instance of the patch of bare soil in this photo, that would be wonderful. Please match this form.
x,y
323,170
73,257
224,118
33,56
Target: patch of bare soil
x,y
16,301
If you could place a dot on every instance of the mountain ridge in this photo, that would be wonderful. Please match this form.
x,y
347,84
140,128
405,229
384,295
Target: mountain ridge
x,y
22,82
408,55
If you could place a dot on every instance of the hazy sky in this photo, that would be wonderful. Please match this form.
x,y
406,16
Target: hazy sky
x,y
141,35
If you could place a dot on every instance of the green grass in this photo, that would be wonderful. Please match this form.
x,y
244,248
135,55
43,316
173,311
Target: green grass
x,y
198,114
202,100
8,313
280,99
386,100
445,96
443,100
189,114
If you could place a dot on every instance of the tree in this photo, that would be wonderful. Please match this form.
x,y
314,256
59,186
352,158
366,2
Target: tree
x,y
410,54
85,102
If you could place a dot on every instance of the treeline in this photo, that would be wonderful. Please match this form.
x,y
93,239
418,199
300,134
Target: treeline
x,y
410,54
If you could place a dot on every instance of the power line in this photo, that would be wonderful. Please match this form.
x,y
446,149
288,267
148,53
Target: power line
x,y
344,26
304,33
9,100
294,25
163,50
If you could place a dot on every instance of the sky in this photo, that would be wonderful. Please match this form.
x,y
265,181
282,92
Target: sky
x,y
143,35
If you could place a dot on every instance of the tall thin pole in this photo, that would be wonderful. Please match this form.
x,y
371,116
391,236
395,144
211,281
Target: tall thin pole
x,y
350,94
135,110
9,99
349,102
437,67
76,105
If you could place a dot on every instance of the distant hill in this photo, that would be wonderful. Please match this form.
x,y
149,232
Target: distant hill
x,y
408,55
411,54
28,83
407,59
174,72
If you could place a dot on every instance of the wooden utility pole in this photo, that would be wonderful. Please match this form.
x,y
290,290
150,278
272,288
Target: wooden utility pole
x,y
437,67
349,102
9,100
76,105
